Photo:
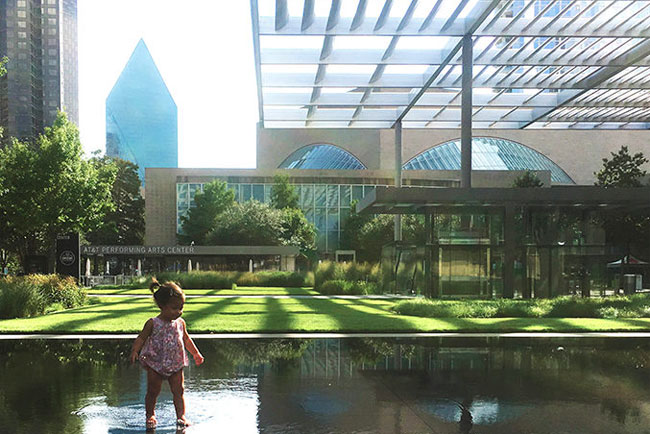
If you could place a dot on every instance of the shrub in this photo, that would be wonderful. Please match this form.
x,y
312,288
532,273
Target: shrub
x,y
345,287
225,279
637,306
58,289
20,298
350,271
34,294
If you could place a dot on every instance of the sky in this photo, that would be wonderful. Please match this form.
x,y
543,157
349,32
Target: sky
x,y
204,52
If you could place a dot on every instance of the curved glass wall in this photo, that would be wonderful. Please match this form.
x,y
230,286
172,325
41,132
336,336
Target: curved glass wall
x,y
487,154
322,157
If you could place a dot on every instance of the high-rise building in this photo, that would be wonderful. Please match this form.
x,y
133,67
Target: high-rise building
x,y
141,115
40,39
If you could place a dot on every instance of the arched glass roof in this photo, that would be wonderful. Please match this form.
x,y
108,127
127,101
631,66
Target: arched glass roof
x,y
321,156
487,154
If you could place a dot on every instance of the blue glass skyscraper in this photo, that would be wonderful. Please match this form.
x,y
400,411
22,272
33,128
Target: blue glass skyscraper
x,y
141,115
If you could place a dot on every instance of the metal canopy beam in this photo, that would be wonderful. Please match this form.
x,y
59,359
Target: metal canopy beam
x,y
386,61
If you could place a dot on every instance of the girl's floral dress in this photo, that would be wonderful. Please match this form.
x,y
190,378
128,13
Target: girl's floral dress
x,y
164,351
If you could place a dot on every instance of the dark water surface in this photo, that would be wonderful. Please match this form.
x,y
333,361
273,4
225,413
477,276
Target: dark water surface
x,y
353,385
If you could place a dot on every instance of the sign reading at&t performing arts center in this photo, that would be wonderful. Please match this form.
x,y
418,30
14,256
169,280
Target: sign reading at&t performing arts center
x,y
189,250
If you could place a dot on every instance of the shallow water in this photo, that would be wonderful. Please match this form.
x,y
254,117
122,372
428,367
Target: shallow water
x,y
353,385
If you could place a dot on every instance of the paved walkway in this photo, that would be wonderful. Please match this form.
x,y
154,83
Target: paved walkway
x,y
617,335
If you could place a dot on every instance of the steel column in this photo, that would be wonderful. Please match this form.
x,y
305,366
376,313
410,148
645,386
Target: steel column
x,y
398,175
466,115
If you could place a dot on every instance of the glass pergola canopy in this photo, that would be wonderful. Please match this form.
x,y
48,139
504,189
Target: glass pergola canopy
x,y
536,63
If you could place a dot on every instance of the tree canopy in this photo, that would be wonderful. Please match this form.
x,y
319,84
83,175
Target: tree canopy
x,y
201,219
527,179
622,170
367,234
247,224
622,227
283,194
124,224
47,188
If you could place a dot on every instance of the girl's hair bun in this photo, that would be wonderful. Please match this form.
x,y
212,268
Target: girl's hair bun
x,y
162,293
154,285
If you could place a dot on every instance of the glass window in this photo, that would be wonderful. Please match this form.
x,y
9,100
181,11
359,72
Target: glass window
x,y
332,219
322,157
245,192
345,213
333,195
332,240
258,192
319,195
22,14
357,192
319,219
22,24
345,195
321,241
309,215
367,189
307,196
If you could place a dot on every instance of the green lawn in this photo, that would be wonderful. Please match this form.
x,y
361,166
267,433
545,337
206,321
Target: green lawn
x,y
241,290
241,314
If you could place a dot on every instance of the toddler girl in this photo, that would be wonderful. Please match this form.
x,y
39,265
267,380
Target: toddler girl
x,y
160,346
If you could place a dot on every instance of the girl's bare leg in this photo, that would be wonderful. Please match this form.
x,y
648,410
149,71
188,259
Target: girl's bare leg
x,y
177,387
154,384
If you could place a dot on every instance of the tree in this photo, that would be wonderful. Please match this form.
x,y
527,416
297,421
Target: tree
x,y
201,219
124,224
256,224
48,189
283,194
247,224
3,69
368,234
527,180
623,170
297,231
623,228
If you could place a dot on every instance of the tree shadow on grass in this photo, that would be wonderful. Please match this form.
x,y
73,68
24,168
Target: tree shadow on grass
x,y
276,317
350,319
210,308
73,325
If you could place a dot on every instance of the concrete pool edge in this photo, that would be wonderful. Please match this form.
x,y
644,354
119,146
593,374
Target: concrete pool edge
x,y
526,335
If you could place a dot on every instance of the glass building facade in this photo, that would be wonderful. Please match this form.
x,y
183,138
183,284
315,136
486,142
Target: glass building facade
x,y
141,115
327,206
557,251
487,154
40,39
322,156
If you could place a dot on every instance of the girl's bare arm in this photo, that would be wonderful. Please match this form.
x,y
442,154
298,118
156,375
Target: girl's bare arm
x,y
141,339
191,347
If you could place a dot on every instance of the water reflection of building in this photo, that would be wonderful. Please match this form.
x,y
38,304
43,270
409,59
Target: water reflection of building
x,y
382,385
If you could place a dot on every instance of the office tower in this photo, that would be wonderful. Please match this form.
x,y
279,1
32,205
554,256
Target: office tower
x,y
141,115
40,39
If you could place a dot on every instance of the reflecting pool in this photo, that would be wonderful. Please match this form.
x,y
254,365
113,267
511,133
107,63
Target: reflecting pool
x,y
351,385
